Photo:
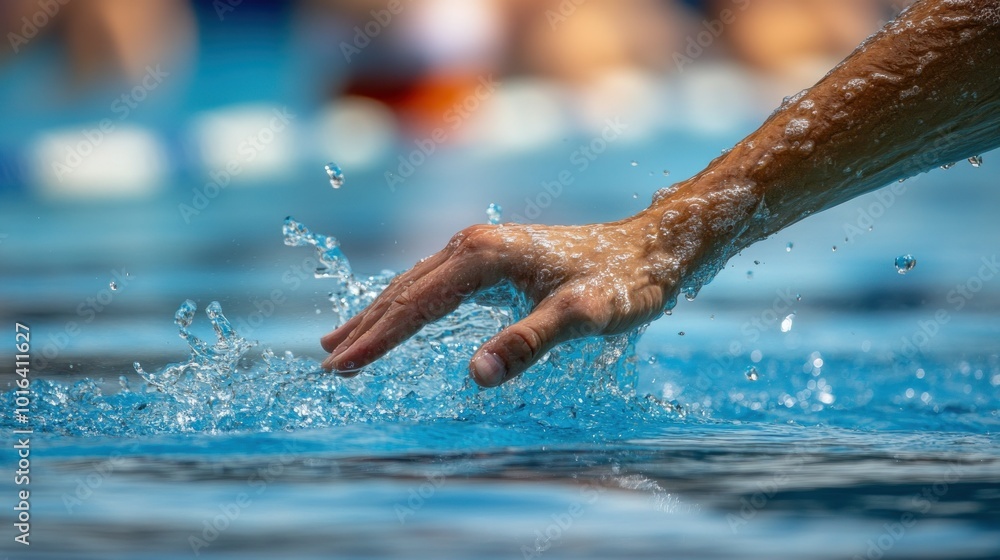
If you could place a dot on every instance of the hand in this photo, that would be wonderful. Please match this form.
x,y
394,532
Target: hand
x,y
585,280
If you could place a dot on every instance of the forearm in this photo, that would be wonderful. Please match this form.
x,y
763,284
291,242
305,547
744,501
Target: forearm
x,y
923,92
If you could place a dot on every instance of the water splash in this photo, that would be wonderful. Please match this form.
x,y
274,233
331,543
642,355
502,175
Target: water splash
x,y
905,263
335,174
230,384
494,213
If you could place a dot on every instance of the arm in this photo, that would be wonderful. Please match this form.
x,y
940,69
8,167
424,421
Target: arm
x,y
922,92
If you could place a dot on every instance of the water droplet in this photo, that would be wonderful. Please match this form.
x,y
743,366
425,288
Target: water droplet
x,y
635,163
948,165
976,161
834,248
788,248
749,275
185,314
651,360
493,213
786,323
798,297
712,316
666,172
756,263
336,175
113,285
690,294
751,373
681,333
905,263
635,195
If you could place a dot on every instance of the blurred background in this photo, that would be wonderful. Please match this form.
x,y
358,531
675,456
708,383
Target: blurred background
x,y
150,151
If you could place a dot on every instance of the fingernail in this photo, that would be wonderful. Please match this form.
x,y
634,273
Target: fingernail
x,y
489,370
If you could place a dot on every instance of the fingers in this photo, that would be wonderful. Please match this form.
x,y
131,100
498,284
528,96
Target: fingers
x,y
520,345
406,311
341,337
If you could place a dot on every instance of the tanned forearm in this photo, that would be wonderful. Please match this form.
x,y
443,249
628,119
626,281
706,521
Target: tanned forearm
x,y
922,92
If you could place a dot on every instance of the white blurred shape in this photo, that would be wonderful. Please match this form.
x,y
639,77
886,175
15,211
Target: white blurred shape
x,y
113,161
259,139
355,131
521,115
457,33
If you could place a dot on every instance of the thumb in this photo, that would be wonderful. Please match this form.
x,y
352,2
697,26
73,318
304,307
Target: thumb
x,y
520,345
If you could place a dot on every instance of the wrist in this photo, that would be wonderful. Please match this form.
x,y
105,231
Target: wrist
x,y
704,221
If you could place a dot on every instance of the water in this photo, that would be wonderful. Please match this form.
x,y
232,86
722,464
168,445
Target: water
x,y
335,174
616,447
905,263
494,214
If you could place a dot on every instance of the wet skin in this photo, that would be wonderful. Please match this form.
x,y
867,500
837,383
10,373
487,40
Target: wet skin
x,y
923,92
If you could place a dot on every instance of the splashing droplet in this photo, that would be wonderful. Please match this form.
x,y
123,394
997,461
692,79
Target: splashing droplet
x,y
798,297
681,333
185,314
786,323
905,263
493,213
948,165
751,373
635,163
834,248
976,161
113,285
749,275
788,248
336,175
635,195
666,172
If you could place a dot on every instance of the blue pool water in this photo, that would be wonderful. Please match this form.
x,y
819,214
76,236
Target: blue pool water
x,y
693,446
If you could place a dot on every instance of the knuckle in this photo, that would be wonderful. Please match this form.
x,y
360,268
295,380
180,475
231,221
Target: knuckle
x,y
475,238
525,343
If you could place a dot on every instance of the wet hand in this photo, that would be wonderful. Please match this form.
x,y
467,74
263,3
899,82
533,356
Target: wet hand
x,y
585,280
